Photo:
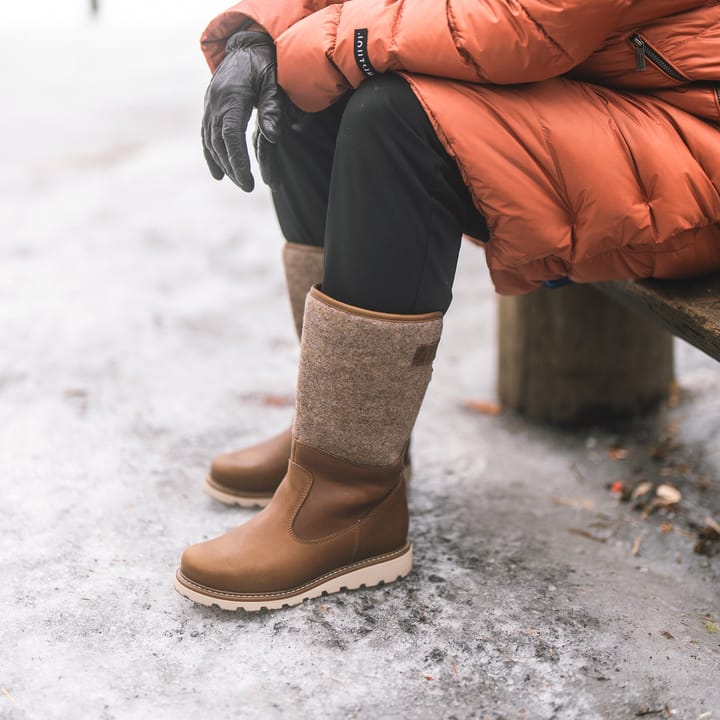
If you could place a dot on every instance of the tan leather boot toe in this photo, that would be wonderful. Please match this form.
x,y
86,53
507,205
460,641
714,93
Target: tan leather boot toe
x,y
331,525
249,477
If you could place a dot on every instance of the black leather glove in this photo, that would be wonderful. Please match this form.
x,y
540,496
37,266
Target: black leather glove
x,y
245,79
265,152
293,118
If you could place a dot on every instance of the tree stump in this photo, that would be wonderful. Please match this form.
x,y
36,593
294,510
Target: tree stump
x,y
572,356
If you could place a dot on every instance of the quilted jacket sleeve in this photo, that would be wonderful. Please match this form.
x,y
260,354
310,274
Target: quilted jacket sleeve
x,y
275,16
482,41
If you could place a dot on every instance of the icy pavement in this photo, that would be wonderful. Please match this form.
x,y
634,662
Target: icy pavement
x,y
144,328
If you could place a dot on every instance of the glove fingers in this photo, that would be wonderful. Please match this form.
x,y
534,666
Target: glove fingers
x,y
212,162
217,143
270,106
233,140
215,170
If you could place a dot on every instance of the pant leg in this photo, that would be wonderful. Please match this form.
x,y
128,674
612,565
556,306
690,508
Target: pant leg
x,y
304,163
398,206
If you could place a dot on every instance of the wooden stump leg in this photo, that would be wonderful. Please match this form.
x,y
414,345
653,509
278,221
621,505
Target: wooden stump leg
x,y
572,356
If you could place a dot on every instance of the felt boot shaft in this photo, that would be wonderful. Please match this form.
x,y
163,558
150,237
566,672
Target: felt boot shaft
x,y
362,379
303,269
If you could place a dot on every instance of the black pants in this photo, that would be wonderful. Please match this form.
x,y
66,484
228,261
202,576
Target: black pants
x,y
369,179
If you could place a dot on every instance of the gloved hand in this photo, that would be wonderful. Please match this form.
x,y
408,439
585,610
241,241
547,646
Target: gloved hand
x,y
265,154
245,79
266,151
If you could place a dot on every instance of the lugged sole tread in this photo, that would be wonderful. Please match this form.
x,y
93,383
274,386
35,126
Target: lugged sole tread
x,y
370,575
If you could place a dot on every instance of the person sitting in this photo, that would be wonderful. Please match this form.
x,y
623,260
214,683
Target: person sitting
x,y
572,140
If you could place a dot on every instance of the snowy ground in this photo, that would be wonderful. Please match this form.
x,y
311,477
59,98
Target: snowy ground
x,y
143,326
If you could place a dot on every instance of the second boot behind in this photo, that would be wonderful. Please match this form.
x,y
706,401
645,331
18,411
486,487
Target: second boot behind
x,y
250,476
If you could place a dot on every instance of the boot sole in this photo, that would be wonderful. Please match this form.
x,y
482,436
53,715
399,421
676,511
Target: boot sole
x,y
257,501
368,573
229,498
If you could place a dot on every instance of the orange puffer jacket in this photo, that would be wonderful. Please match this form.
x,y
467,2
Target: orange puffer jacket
x,y
588,131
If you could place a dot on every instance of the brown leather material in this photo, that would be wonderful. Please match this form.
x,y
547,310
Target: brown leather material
x,y
386,525
256,470
266,555
318,294
341,492
425,354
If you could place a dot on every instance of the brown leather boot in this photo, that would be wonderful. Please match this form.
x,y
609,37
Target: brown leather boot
x,y
250,476
339,518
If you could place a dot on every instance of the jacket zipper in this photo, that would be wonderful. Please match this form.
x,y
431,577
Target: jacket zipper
x,y
644,52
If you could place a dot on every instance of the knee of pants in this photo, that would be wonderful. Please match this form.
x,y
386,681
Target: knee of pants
x,y
379,108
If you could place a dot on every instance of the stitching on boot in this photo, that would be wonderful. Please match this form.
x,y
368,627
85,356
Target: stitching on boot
x,y
398,485
308,485
369,562
298,506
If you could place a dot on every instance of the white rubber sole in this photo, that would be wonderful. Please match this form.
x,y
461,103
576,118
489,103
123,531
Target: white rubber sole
x,y
248,501
382,569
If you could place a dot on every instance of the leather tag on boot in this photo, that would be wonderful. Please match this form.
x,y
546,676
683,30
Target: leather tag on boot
x,y
425,354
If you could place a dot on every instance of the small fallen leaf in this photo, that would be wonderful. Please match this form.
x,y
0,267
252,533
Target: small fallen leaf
x,y
277,400
666,527
428,677
711,627
642,489
586,534
485,408
636,546
644,711
584,503
618,453
713,525
667,634
668,494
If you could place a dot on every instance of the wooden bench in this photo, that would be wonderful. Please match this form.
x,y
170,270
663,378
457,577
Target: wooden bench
x,y
587,354
689,309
